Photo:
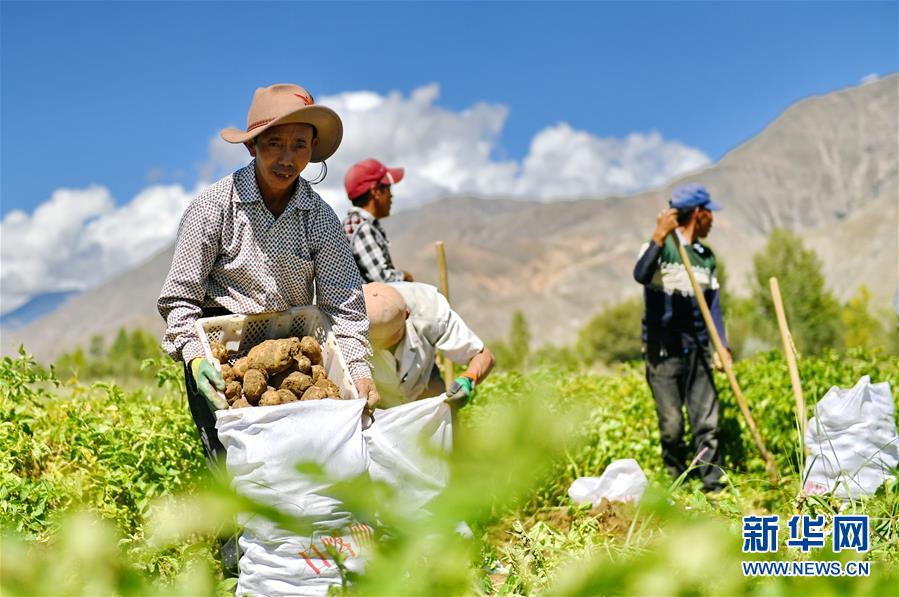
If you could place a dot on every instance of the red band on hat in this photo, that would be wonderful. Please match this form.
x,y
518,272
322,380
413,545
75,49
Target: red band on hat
x,y
259,123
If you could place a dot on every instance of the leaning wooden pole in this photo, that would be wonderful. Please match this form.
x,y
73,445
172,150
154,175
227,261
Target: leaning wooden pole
x,y
444,290
725,361
790,354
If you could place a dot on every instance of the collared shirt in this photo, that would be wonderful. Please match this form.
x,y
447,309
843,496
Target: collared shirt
x,y
431,326
232,252
371,249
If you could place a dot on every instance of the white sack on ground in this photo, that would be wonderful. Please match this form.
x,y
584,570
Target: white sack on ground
x,y
407,448
264,446
852,441
622,481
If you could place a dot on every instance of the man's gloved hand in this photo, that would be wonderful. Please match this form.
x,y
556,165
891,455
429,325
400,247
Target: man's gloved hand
x,y
461,390
208,380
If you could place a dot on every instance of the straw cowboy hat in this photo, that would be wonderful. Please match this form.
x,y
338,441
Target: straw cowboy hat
x,y
285,104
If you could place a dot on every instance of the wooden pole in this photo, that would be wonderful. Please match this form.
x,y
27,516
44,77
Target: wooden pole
x,y
725,362
444,290
790,354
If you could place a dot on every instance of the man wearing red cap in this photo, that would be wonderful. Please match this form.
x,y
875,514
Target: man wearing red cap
x,y
368,187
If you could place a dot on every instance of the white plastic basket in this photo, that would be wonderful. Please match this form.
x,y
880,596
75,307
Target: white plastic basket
x,y
239,333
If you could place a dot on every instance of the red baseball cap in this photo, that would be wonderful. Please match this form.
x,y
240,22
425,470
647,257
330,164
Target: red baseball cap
x,y
363,176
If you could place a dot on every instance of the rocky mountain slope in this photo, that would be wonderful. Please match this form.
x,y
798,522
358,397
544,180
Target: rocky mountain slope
x,y
827,167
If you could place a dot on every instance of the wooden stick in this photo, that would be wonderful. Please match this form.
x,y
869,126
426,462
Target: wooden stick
x,y
444,290
725,362
790,354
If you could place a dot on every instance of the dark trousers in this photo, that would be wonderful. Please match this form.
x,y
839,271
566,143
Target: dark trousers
x,y
204,419
679,380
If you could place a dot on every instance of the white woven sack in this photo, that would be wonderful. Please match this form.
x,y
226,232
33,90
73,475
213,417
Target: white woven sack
x,y
852,441
622,481
264,445
407,448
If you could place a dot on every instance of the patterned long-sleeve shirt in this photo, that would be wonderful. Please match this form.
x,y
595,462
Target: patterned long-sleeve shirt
x,y
370,247
672,319
232,252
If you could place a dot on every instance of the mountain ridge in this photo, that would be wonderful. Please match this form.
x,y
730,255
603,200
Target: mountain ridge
x,y
826,168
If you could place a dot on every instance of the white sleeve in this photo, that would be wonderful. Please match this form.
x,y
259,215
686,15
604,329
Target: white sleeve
x,y
450,335
458,342
437,323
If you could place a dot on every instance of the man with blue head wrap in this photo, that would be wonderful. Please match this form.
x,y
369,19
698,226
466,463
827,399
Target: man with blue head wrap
x,y
675,337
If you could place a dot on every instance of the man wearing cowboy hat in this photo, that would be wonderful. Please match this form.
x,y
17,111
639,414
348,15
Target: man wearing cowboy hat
x,y
368,187
262,240
675,337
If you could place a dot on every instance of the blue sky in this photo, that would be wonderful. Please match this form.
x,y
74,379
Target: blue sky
x,y
110,111
127,94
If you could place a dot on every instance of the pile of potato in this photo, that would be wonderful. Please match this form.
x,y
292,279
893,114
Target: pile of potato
x,y
276,372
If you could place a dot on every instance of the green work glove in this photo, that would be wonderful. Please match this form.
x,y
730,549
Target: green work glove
x,y
460,391
208,380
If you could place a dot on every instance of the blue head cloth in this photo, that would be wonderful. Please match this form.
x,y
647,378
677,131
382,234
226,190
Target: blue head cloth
x,y
692,195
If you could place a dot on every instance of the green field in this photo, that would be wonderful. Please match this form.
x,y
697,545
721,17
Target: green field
x,y
103,490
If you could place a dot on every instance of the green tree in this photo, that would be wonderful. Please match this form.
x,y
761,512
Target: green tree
x,y
512,354
738,314
562,357
862,328
614,334
120,361
812,310
726,298
520,334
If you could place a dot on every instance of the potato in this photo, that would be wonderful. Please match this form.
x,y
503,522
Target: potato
x,y
219,351
254,385
286,396
276,380
241,403
272,356
270,398
228,373
297,383
240,367
294,346
314,393
318,372
303,364
311,349
232,391
329,387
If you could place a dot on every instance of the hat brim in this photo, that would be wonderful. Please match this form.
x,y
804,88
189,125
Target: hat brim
x,y
712,206
327,124
393,175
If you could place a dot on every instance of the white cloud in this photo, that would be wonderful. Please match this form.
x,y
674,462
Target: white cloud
x,y
80,237
564,162
448,152
223,158
870,78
